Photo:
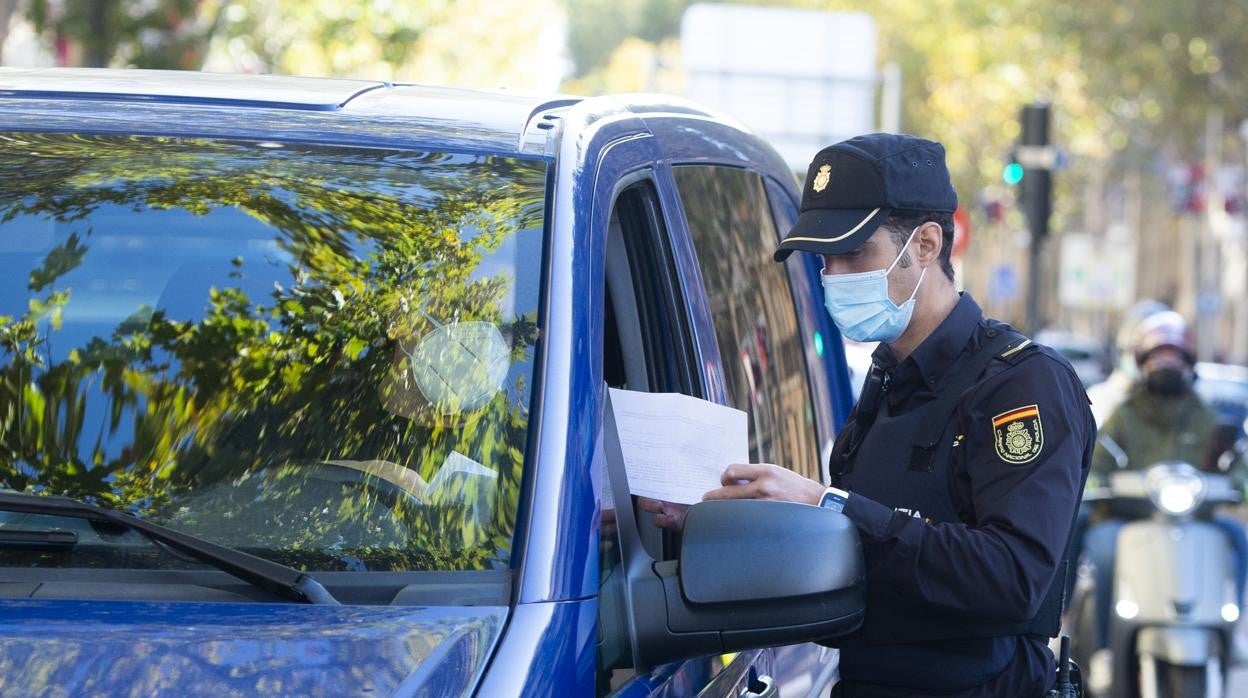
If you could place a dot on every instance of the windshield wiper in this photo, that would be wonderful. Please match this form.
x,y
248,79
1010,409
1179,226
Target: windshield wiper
x,y
279,579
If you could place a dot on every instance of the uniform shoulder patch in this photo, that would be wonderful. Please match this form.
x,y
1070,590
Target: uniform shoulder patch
x,y
1018,435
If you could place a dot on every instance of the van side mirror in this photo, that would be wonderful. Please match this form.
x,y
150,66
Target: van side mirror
x,y
750,574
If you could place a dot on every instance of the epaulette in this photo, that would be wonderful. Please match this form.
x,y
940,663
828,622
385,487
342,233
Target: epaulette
x,y
1017,350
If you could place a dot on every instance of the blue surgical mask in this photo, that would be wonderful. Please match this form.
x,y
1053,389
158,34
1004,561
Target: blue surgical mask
x,y
860,306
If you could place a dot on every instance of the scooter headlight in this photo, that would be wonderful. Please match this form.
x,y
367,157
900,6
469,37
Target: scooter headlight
x,y
1176,488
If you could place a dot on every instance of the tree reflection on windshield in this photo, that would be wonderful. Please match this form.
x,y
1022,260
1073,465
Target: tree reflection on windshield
x,y
227,337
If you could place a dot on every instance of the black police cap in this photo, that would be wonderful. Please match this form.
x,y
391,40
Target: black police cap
x,y
852,187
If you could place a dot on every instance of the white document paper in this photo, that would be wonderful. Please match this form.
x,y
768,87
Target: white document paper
x,y
676,447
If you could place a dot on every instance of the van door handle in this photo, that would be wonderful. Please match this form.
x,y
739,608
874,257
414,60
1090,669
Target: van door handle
x,y
762,687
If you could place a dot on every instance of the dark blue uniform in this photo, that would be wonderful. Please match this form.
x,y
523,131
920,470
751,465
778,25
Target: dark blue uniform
x,y
963,546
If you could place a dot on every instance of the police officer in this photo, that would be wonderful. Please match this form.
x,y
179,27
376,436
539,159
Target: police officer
x,y
963,461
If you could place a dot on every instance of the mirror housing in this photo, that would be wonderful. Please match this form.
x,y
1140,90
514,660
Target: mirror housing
x,y
749,550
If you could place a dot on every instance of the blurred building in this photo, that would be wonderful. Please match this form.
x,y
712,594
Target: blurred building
x,y
800,78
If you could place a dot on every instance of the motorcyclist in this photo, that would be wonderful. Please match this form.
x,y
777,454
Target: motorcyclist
x,y
1106,396
1109,393
1161,419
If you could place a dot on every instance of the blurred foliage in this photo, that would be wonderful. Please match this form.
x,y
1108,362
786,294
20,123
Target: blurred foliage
x,y
478,42
221,408
967,69
1128,79
1157,67
151,34
1131,82
597,28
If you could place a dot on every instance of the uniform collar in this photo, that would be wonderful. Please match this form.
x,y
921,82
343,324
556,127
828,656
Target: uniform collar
x,y
932,359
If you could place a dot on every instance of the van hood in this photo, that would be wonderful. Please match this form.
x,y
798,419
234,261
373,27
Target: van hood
x,y
222,649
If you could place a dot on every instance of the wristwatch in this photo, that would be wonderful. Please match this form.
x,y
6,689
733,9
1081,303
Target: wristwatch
x,y
834,498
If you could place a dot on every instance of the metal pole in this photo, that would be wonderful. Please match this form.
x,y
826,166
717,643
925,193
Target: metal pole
x,y
1037,195
1033,285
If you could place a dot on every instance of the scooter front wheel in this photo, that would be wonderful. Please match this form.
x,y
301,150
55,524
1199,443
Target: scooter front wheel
x,y
1177,681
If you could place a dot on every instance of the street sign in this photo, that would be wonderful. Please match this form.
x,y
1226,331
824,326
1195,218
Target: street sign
x,y
1037,157
1095,274
1003,286
1208,303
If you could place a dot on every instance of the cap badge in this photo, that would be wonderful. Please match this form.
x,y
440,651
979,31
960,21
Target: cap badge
x,y
822,178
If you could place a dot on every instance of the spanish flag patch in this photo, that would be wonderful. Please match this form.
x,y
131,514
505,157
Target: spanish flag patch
x,y
1017,434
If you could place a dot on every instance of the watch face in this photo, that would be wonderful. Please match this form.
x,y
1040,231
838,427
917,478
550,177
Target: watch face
x,y
832,500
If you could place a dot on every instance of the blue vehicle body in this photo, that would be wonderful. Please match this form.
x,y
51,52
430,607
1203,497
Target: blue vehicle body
x,y
542,640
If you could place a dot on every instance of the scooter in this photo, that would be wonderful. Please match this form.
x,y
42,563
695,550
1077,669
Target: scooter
x,y
1174,602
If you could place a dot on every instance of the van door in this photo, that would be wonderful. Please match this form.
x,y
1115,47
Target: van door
x,y
648,345
771,362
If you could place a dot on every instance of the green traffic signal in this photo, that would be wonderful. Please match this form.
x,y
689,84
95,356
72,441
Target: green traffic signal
x,y
1012,174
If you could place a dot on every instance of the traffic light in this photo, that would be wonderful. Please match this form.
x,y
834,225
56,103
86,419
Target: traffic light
x,y
1012,173
1036,158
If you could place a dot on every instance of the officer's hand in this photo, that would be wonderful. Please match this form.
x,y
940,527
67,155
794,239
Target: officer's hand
x,y
666,514
766,481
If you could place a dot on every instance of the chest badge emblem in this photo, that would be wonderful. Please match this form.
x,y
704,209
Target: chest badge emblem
x,y
822,178
1018,435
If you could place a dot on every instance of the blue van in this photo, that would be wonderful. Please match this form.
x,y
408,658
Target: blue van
x,y
302,393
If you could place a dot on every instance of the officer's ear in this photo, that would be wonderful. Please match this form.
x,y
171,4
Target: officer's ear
x,y
931,239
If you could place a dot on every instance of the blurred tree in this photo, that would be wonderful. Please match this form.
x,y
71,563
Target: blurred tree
x,y
483,43
1157,68
596,28
1129,81
102,33
635,66
967,66
326,37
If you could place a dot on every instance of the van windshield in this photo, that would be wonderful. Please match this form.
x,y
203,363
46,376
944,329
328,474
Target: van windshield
x,y
320,355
